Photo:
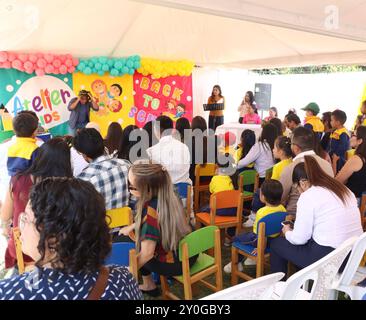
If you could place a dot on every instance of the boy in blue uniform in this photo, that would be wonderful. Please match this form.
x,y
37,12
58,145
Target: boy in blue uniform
x,y
339,140
312,121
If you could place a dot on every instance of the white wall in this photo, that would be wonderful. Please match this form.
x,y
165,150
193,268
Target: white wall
x,y
330,91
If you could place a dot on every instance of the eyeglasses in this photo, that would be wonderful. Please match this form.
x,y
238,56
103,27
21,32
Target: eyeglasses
x,y
23,219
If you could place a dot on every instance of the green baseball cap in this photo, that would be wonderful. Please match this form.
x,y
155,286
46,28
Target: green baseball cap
x,y
312,106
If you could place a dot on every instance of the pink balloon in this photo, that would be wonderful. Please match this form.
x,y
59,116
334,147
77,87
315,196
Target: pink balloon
x,y
71,69
40,72
49,68
17,64
63,69
41,63
6,65
69,56
23,57
3,56
11,57
40,55
75,61
56,63
29,71
56,71
68,63
62,58
33,58
28,65
49,58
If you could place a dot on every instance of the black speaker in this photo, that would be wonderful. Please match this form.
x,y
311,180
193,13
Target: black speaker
x,y
262,96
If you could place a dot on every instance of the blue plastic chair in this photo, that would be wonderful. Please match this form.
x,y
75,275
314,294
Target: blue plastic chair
x,y
183,189
120,254
268,226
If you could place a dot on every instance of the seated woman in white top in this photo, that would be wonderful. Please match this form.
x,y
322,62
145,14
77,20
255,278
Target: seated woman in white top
x,y
327,215
261,153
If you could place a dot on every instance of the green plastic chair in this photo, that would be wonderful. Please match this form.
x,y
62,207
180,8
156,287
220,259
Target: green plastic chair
x,y
196,243
248,178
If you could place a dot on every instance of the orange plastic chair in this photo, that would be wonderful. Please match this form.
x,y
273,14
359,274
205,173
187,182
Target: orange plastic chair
x,y
202,170
223,200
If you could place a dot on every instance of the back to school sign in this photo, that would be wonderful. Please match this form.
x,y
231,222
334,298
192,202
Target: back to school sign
x,y
128,99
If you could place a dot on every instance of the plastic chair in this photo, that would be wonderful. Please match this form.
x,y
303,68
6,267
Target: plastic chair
x,y
248,178
196,243
185,194
353,273
268,226
269,173
362,211
322,273
119,217
257,289
202,170
223,200
120,254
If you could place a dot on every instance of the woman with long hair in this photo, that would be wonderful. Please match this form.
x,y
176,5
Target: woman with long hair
x,y
127,144
327,215
247,141
181,126
52,160
353,173
113,139
216,117
160,224
64,230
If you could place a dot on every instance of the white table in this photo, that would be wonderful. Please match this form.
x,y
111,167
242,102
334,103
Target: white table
x,y
238,128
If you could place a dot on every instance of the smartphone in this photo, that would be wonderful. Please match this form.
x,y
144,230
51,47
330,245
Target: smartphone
x,y
287,222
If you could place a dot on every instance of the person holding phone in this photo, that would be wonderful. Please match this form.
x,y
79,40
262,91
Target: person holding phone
x,y
80,110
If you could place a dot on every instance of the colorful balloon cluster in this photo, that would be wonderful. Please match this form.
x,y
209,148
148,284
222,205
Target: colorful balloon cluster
x,y
115,66
162,69
40,63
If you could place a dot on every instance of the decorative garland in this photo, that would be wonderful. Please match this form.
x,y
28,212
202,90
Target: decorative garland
x,y
162,69
115,66
45,63
39,63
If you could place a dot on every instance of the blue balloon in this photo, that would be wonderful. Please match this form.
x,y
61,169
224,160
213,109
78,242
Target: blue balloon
x,y
137,64
123,61
88,70
114,72
118,65
103,60
130,63
105,67
81,66
101,72
91,64
125,70
98,66
131,72
110,62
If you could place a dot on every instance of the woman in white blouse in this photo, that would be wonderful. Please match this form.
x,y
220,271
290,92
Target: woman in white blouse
x,y
327,215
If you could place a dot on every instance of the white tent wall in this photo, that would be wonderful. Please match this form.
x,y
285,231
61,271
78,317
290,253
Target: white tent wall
x,y
331,91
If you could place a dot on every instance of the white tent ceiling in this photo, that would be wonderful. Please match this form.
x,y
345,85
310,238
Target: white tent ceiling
x,y
232,33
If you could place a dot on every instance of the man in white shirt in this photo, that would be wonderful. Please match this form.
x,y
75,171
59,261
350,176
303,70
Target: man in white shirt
x,y
169,152
302,145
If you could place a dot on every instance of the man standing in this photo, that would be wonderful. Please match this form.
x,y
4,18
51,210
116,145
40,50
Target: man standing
x,y
80,110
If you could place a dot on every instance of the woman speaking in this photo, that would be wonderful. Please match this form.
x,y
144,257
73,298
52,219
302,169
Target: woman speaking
x,y
216,117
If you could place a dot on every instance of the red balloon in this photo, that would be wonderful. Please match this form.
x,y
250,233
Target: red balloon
x,y
56,63
33,58
6,65
40,72
63,69
71,69
49,68
17,64
3,56
75,61
23,57
41,63
68,63
11,57
49,58
28,65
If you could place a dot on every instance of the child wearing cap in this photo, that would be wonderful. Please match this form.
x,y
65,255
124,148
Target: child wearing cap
x,y
312,121
339,140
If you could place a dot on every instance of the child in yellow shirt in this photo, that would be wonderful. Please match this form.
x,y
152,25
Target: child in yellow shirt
x,y
247,141
281,151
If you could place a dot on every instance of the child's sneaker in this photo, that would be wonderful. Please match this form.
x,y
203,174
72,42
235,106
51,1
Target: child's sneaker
x,y
250,222
250,262
227,268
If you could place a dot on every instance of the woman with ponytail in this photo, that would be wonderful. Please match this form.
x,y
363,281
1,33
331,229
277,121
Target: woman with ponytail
x,y
160,224
327,215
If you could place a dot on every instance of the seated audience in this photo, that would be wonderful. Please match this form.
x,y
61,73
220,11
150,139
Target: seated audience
x,y
78,162
251,117
302,145
282,151
273,114
52,160
181,125
312,121
270,195
160,224
113,139
65,232
169,152
327,215
325,139
127,143
353,174
292,122
247,141
278,124
108,175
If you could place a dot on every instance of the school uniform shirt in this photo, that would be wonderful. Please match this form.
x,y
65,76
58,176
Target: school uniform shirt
x,y
279,167
221,183
49,284
314,123
174,156
21,155
323,217
251,119
237,156
261,155
265,211
339,144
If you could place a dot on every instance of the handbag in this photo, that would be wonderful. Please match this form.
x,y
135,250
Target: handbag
x,y
100,285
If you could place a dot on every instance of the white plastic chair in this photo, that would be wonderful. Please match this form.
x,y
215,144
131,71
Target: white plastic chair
x,y
353,273
257,289
322,273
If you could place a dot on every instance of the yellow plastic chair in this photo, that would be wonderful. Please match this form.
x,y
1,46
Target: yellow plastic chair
x,y
119,217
